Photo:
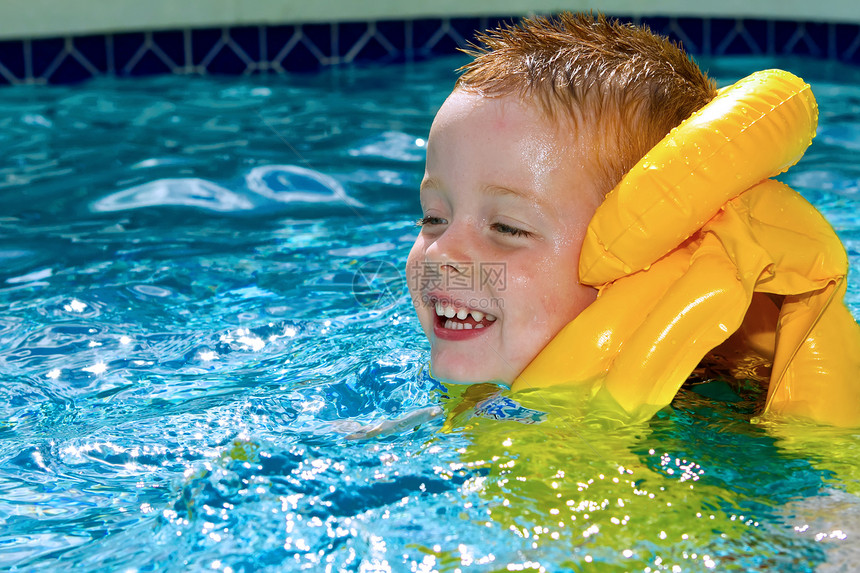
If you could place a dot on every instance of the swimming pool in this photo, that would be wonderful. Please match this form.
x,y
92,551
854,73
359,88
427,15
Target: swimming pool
x,y
204,321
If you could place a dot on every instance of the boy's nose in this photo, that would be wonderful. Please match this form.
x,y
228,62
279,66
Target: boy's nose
x,y
453,251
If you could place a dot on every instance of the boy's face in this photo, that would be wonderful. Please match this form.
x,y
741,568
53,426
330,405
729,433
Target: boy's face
x,y
506,200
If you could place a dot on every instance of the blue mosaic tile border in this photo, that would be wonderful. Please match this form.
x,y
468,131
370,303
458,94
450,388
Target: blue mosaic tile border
x,y
311,47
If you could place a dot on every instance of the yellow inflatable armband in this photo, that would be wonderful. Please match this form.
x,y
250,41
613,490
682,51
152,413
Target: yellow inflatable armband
x,y
697,251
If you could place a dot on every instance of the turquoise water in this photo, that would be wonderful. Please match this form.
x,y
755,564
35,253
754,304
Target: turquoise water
x,y
209,361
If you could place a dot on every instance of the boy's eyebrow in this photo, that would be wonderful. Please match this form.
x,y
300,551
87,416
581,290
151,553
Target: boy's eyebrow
x,y
526,194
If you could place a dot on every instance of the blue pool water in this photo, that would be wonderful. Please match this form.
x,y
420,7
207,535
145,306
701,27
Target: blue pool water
x,y
208,360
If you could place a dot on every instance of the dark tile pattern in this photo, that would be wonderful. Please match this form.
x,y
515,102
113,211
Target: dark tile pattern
x,y
311,47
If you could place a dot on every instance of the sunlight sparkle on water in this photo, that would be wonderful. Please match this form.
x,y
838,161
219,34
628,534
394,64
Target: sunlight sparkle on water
x,y
97,368
526,566
75,306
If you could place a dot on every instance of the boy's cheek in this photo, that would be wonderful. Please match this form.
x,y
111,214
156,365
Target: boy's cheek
x,y
411,281
419,301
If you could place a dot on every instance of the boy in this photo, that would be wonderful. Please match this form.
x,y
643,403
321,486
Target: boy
x,y
541,125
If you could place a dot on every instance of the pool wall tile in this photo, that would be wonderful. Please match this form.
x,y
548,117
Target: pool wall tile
x,y
12,66
398,36
689,32
800,38
427,36
738,37
846,42
297,54
147,54
312,47
44,54
322,41
371,46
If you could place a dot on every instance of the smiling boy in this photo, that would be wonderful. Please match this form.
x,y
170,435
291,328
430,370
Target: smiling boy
x,y
544,122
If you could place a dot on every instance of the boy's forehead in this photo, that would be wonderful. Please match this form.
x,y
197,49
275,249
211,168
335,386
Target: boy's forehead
x,y
524,114
506,148
552,109
459,106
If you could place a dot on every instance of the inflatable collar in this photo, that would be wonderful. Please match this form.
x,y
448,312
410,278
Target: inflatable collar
x,y
697,251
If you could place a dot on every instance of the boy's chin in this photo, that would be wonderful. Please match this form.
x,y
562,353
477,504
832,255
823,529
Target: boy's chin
x,y
464,376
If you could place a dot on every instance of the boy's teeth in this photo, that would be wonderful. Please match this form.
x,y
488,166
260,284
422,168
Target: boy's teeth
x,y
449,311
451,325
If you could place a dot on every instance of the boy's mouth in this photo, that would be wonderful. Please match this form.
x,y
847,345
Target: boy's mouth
x,y
452,317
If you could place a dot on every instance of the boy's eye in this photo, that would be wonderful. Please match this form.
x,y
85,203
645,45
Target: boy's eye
x,y
508,230
426,221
